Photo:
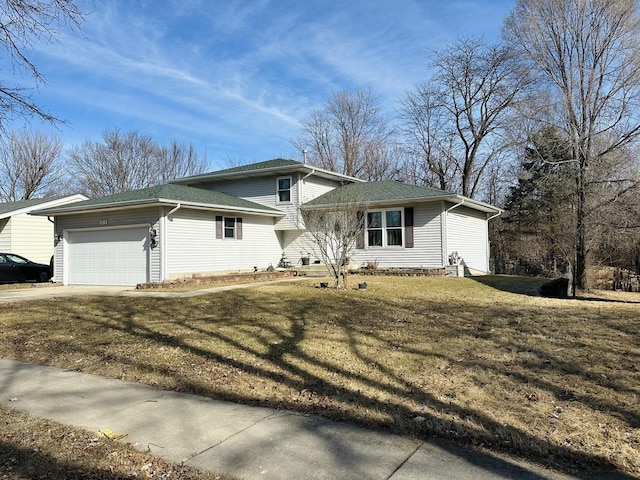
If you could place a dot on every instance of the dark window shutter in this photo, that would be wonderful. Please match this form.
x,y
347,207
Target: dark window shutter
x,y
408,227
218,226
360,236
238,228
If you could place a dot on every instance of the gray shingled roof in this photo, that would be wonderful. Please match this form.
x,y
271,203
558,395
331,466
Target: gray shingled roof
x,y
388,192
275,163
270,167
253,167
168,192
13,206
382,191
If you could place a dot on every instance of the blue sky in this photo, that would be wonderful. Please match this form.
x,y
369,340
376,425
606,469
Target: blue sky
x,y
236,77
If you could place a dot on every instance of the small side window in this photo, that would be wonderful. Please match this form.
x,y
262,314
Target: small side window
x,y
284,189
229,227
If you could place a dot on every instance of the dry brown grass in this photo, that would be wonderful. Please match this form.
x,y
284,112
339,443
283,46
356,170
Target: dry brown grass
x,y
479,360
15,286
37,448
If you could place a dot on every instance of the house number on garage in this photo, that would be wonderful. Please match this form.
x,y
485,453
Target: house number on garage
x,y
104,222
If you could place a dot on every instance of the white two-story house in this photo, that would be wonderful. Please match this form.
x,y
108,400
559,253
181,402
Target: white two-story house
x,y
245,217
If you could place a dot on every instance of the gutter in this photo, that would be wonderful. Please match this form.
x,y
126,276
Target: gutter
x,y
160,202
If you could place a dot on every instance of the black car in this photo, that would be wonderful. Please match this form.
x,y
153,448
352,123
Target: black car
x,y
14,268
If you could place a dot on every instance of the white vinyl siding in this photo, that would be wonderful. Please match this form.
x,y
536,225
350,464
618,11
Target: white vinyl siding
x,y
193,248
258,190
265,192
32,237
427,250
93,221
29,236
296,244
313,186
466,233
5,235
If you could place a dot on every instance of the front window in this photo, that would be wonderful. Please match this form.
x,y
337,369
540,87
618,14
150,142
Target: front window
x,y
284,189
384,228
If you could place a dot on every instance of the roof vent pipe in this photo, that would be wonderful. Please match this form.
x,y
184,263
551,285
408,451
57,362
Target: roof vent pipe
x,y
304,156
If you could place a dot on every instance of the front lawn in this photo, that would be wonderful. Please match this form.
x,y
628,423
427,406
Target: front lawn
x,y
477,360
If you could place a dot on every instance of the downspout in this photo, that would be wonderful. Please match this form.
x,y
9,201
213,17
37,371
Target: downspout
x,y
455,206
446,230
494,216
300,192
174,210
53,273
489,244
299,200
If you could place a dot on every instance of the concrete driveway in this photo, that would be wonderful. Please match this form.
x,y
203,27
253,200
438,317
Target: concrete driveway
x,y
54,291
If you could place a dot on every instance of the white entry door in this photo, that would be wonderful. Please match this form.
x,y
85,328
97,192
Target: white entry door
x,y
108,257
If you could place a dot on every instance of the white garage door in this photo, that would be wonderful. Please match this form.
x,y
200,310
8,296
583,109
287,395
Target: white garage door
x,y
108,257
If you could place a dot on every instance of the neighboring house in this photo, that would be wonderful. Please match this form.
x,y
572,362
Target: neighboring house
x,y
27,235
245,217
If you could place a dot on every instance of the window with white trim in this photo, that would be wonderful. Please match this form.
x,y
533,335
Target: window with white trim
x,y
284,190
384,228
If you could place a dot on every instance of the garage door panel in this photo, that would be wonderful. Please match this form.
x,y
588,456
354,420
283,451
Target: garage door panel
x,y
108,257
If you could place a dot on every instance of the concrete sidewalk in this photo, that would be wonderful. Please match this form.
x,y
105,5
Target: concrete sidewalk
x,y
249,442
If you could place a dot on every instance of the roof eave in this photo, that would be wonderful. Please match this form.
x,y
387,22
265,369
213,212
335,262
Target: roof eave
x,y
160,202
40,206
267,171
457,199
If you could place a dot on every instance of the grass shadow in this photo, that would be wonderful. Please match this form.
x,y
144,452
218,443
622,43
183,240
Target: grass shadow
x,y
529,286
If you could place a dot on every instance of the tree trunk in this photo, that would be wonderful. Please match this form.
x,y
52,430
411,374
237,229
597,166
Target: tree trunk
x,y
580,278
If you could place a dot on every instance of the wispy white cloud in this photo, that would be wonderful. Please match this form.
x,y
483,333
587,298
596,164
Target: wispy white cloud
x,y
237,70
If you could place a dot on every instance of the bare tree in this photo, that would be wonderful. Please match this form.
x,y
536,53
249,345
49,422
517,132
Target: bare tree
x,y
30,166
22,23
349,135
587,54
335,226
455,121
128,161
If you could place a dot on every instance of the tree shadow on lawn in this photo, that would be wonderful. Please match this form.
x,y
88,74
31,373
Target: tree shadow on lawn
x,y
32,463
315,384
529,286
592,298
